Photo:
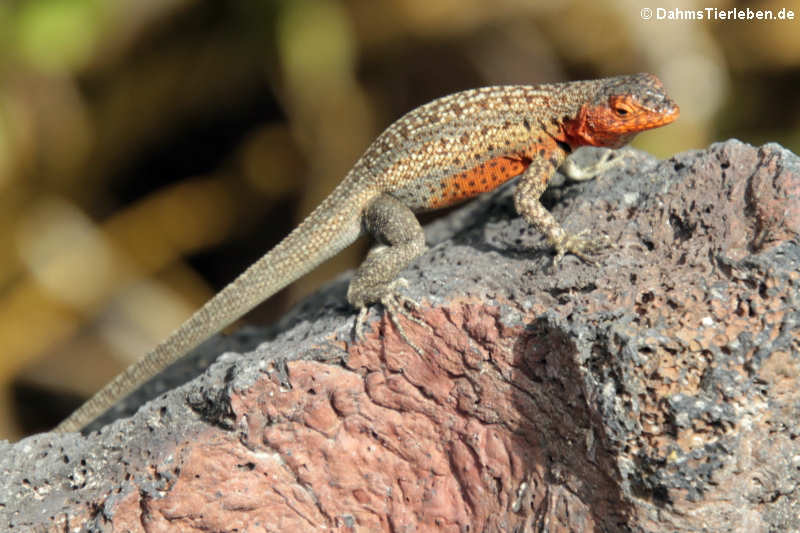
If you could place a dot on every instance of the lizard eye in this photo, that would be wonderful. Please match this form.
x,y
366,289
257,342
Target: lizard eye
x,y
620,111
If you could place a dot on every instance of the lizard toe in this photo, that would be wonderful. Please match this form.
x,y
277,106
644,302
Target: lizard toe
x,y
396,305
575,172
581,247
358,325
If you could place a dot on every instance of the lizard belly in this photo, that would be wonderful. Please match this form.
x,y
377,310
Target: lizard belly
x,y
443,190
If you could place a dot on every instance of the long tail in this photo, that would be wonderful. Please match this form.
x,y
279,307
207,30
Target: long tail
x,y
333,226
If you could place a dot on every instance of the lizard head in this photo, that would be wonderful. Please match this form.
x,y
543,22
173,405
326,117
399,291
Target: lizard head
x,y
621,108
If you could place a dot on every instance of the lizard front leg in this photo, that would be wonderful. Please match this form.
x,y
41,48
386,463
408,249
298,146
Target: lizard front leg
x,y
529,189
401,240
573,171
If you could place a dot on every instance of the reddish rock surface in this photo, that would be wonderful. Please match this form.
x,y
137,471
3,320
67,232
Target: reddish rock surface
x,y
655,391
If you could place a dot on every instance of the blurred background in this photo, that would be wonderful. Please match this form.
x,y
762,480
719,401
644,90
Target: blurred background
x,y
150,150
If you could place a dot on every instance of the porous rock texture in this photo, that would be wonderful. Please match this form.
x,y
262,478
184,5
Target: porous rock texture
x,y
654,391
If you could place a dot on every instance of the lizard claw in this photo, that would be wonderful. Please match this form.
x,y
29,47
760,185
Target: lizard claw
x,y
358,327
580,246
395,304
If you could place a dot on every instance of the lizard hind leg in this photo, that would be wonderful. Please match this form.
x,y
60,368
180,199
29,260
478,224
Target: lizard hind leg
x,y
401,240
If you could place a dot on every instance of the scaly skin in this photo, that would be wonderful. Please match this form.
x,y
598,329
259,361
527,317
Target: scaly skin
x,y
441,153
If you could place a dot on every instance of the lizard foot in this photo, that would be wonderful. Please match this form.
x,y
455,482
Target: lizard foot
x,y
395,304
575,173
580,246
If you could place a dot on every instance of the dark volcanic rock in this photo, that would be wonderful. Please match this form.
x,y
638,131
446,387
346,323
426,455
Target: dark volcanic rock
x,y
655,391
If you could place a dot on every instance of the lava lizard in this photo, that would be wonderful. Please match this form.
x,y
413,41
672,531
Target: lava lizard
x,y
448,150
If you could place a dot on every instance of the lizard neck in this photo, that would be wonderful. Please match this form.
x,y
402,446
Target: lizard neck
x,y
582,131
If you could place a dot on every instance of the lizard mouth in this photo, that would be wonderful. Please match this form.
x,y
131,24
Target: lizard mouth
x,y
666,115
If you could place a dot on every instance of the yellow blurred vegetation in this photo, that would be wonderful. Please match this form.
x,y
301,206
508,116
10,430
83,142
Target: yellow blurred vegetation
x,y
151,149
